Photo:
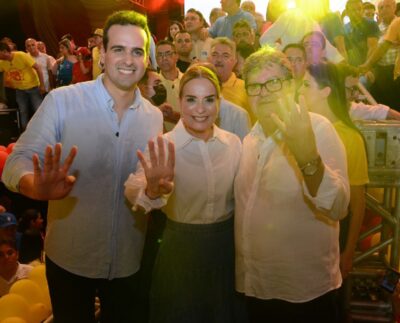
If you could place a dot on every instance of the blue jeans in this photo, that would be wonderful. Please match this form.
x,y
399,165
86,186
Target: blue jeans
x,y
28,102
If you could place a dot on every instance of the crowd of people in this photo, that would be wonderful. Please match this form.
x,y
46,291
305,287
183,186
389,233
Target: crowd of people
x,y
232,144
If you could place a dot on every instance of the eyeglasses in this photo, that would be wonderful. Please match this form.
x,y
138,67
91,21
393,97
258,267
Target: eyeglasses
x,y
165,54
273,85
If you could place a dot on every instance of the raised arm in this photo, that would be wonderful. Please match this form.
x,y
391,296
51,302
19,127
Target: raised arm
x,y
159,171
295,124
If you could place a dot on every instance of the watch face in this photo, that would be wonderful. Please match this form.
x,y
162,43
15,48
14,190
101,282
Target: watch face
x,y
310,170
312,167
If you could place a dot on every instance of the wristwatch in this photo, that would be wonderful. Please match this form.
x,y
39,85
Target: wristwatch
x,y
311,167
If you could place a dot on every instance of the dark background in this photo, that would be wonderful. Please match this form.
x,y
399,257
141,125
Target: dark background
x,y
48,20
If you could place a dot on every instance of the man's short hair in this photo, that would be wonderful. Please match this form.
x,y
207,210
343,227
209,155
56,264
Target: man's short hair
x,y
124,18
183,31
369,5
4,46
297,46
350,2
165,42
9,242
214,12
319,35
242,23
224,41
264,57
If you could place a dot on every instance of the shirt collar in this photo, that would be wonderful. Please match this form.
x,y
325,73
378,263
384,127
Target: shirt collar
x,y
231,81
106,97
180,74
258,132
183,138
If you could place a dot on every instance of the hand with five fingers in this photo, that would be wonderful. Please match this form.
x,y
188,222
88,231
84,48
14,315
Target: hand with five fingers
x,y
295,125
52,182
160,171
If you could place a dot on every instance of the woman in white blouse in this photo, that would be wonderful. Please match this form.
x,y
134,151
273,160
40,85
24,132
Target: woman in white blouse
x,y
192,180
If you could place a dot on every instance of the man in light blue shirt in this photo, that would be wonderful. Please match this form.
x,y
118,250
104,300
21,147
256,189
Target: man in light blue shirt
x,y
223,27
83,140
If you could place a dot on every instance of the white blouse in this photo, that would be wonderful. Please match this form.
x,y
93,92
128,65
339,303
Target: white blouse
x,y
203,182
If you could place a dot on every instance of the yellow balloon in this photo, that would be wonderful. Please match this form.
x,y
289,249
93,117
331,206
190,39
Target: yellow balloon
x,y
46,299
38,313
28,290
38,275
13,305
13,319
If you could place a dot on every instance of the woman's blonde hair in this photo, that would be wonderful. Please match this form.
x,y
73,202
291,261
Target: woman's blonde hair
x,y
196,72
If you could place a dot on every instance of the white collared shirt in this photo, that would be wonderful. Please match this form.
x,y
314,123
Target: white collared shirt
x,y
21,273
204,175
286,240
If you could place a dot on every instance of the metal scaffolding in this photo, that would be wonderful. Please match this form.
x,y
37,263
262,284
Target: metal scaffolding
x,y
382,139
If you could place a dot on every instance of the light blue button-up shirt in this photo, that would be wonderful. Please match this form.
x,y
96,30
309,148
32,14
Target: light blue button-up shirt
x,y
92,232
223,26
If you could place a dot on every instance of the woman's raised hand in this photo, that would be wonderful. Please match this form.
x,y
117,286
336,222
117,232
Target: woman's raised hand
x,y
160,171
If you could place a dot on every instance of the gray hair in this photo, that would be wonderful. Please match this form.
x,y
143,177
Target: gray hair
x,y
263,57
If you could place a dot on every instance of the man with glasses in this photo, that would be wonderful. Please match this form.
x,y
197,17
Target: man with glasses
x,y
170,75
223,57
183,45
291,190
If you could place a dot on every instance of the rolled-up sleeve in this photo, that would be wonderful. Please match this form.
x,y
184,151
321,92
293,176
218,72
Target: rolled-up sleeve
x,y
333,195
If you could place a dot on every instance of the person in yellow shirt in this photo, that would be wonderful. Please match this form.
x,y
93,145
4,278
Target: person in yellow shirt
x,y
24,75
223,57
97,68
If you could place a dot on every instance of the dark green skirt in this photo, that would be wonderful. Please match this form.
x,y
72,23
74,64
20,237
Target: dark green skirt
x,y
193,277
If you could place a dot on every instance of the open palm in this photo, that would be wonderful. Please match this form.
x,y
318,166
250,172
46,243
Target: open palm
x,y
52,182
160,171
